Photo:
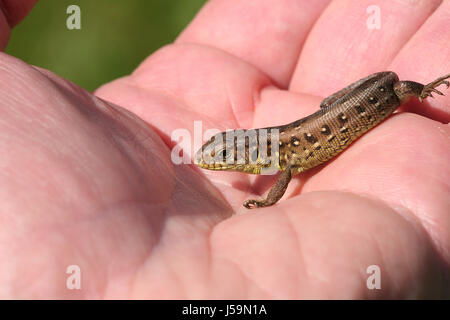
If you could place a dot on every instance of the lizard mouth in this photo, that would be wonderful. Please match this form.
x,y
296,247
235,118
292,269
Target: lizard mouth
x,y
203,161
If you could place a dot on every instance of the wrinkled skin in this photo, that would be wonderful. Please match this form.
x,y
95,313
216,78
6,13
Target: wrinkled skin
x,y
85,182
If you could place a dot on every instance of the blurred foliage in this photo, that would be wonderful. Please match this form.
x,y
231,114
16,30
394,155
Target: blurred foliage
x,y
115,36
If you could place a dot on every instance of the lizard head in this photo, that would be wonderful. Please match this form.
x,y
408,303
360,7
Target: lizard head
x,y
235,150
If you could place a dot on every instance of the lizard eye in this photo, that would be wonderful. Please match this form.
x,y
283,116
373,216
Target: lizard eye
x,y
224,154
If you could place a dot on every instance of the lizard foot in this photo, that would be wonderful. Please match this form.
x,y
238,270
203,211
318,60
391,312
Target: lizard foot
x,y
252,203
431,87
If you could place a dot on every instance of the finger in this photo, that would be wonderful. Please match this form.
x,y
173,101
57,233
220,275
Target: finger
x,y
303,243
15,10
197,82
426,57
12,11
341,48
265,33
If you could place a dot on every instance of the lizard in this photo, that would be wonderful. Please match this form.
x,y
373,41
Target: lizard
x,y
308,142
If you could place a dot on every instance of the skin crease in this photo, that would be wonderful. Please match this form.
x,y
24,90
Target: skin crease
x,y
84,182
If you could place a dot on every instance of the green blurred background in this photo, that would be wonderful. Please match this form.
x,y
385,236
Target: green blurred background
x,y
115,36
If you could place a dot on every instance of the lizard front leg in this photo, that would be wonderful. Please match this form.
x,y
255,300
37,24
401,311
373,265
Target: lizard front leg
x,y
275,193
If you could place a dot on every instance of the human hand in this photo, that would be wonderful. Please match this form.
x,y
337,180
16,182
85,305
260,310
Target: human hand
x,y
85,182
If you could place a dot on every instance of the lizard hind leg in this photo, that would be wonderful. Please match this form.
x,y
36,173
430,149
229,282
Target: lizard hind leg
x,y
431,87
407,89
275,193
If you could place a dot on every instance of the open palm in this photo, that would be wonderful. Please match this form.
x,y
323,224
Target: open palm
x,y
85,182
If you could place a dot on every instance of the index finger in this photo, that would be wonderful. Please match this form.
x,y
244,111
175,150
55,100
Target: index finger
x,y
265,33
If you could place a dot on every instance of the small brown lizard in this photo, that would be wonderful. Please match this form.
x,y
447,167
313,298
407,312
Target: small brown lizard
x,y
315,139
